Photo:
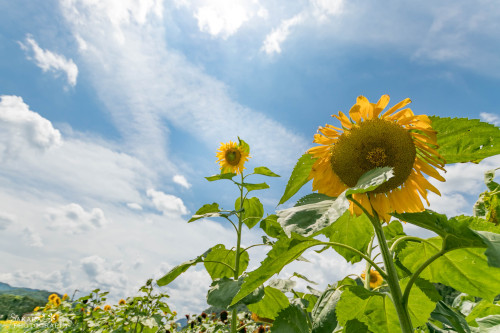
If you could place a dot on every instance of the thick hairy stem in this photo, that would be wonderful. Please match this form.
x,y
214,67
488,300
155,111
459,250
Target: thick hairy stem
x,y
234,313
392,275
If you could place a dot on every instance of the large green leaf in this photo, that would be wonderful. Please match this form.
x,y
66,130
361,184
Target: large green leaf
x,y
447,315
222,291
459,232
179,269
209,210
254,187
465,140
252,211
489,324
291,320
373,309
273,302
265,171
229,175
299,177
271,226
310,218
377,311
482,309
466,270
323,314
355,231
284,251
219,253
285,285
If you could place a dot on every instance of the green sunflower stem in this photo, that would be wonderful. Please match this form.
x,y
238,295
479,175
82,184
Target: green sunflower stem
x,y
368,265
392,278
234,313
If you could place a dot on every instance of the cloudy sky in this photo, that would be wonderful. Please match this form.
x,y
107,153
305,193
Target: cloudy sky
x,y
111,112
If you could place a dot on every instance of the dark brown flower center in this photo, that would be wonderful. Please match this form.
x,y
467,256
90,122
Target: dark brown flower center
x,y
233,156
372,144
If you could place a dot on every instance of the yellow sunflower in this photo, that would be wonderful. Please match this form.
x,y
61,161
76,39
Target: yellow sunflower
x,y
375,278
122,302
232,156
52,297
371,138
107,307
65,297
54,318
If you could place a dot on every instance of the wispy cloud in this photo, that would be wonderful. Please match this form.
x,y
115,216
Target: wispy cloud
x,y
272,43
167,203
5,220
149,87
50,61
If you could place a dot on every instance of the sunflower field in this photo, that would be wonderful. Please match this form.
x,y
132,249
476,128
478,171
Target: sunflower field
x,y
369,175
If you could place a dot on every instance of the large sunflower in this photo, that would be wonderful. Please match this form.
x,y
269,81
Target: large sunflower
x,y
369,139
232,156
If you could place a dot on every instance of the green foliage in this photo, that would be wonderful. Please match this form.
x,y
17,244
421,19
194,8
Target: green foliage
x,y
482,309
465,140
299,177
218,255
265,172
273,302
228,175
284,251
454,268
323,314
450,317
15,305
179,269
271,226
310,218
488,204
293,319
223,290
252,211
355,231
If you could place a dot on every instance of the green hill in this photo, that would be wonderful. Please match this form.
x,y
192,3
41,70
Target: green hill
x,y
18,301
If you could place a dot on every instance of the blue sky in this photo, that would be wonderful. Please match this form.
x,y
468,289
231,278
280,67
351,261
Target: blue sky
x,y
111,113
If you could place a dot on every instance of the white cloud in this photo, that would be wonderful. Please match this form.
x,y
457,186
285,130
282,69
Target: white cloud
x,y
21,128
148,87
224,18
323,9
50,61
32,238
490,118
273,41
102,274
73,219
6,220
167,203
134,206
181,180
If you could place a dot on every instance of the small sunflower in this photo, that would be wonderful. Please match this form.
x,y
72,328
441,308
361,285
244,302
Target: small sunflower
x,y
36,309
54,318
122,302
56,301
97,308
369,139
65,297
107,307
52,297
232,156
375,278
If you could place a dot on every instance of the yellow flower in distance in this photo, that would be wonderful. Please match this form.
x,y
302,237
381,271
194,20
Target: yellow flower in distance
x,y
97,308
36,309
122,302
375,278
54,318
56,301
65,297
371,138
232,156
107,307
52,297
